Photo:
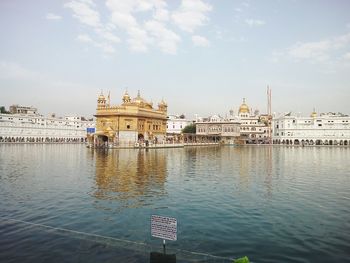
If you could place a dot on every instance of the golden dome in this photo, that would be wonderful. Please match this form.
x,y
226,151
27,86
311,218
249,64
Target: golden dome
x,y
142,102
139,99
101,96
126,97
313,114
162,103
244,108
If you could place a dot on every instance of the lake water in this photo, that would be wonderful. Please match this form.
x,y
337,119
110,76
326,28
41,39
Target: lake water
x,y
67,203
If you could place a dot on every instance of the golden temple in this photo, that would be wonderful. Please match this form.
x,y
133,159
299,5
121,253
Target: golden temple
x,y
133,121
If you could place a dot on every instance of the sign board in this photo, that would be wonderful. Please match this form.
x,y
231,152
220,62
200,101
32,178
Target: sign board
x,y
164,227
90,130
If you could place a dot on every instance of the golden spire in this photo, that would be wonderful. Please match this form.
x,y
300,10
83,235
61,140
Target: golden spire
x,y
244,108
313,114
126,98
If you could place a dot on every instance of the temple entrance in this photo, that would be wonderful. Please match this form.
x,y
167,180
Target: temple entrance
x,y
101,141
140,137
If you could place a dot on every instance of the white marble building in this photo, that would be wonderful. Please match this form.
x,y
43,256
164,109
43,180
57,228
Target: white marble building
x,y
324,129
37,128
175,124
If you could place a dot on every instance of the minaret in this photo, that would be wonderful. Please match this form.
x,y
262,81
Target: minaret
x,y
126,98
162,106
101,101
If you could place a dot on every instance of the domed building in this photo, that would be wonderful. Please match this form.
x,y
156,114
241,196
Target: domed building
x,y
134,120
244,110
313,114
253,126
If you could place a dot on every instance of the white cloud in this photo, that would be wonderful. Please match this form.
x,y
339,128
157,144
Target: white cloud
x,y
122,16
10,70
191,14
106,47
347,56
311,50
238,10
84,13
237,39
152,32
254,22
245,4
84,38
327,50
200,41
161,14
126,16
109,36
139,39
51,16
166,39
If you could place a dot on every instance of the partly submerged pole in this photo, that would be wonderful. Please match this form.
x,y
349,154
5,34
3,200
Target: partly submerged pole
x,y
164,252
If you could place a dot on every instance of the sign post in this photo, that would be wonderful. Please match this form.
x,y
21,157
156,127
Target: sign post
x,y
164,228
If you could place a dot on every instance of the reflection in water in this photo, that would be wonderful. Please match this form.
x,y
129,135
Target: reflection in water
x,y
290,202
129,176
255,162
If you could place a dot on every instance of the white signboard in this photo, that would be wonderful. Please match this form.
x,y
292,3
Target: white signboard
x,y
164,227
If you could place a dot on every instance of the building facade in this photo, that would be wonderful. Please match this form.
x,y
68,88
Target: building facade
x,y
175,124
219,130
324,129
254,127
32,127
17,109
133,121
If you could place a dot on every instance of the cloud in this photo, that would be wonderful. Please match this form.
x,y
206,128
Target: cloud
x,y
245,4
84,12
254,22
310,50
326,50
200,41
153,32
10,70
191,14
125,16
107,35
84,38
51,16
161,14
347,56
166,39
139,39
122,16
106,47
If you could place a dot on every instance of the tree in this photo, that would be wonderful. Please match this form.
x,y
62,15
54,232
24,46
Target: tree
x,y
3,110
191,128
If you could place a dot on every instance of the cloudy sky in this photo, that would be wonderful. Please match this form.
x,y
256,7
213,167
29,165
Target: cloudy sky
x,y
201,56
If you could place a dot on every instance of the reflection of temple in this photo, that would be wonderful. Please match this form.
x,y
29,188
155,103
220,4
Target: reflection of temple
x,y
132,121
129,175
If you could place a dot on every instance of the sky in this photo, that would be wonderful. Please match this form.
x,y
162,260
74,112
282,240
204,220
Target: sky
x,y
201,56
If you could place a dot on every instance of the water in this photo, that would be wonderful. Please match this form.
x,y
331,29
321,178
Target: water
x,y
66,203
